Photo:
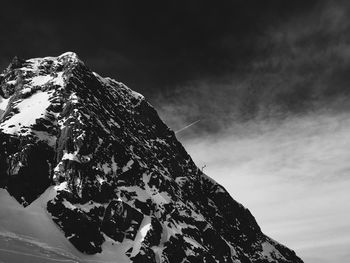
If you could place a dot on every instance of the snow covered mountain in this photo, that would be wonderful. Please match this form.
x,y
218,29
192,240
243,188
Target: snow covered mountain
x,y
98,177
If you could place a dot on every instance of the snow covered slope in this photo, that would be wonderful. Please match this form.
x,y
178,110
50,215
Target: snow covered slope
x,y
101,178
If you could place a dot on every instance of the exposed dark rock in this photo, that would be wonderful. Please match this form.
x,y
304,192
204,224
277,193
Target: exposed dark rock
x,y
119,174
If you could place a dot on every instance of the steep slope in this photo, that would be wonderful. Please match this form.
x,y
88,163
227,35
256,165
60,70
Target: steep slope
x,y
121,179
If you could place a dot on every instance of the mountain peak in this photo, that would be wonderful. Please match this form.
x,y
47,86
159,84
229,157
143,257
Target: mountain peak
x,y
69,54
116,173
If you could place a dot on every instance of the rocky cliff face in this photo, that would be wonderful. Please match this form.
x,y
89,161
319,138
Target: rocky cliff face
x,y
120,175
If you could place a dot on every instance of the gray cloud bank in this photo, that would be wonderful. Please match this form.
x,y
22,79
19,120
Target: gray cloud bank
x,y
292,175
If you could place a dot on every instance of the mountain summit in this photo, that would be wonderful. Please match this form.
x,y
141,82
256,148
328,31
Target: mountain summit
x,y
111,175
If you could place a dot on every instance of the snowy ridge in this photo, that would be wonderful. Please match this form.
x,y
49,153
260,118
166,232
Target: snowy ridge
x,y
124,189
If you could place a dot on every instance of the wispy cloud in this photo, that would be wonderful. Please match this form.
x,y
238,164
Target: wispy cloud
x,y
298,66
292,174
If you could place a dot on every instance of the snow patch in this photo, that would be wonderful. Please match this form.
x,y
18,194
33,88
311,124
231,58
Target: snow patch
x,y
106,168
46,137
193,242
270,252
71,156
114,165
69,54
29,234
101,79
141,234
128,166
68,205
61,186
137,95
11,82
4,103
100,180
30,110
41,80
35,63
45,79
73,98
59,80
26,90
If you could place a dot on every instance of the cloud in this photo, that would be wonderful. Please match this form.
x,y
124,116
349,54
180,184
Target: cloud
x,y
296,66
293,176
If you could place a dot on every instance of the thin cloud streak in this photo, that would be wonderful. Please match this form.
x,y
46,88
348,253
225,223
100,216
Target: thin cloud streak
x,y
186,127
292,175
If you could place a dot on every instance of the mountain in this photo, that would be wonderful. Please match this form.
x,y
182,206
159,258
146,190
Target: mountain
x,y
93,156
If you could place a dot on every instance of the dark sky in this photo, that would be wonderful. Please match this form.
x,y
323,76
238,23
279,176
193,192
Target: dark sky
x,y
219,61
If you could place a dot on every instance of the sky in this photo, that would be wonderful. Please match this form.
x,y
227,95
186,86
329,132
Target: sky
x,y
266,82
293,176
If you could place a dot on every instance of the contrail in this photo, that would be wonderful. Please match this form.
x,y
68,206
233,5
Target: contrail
x,y
184,128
